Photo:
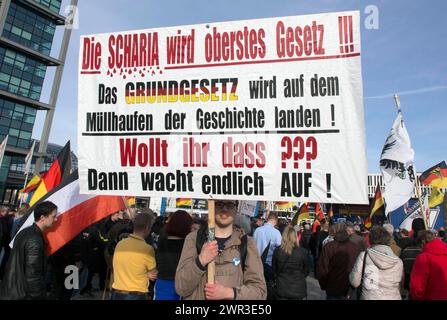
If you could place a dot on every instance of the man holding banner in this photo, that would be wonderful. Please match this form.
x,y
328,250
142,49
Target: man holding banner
x,y
251,128
239,272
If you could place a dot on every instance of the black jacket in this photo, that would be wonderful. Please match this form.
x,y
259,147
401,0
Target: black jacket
x,y
406,242
92,247
25,272
5,231
316,243
1,232
321,237
290,273
305,239
168,256
408,256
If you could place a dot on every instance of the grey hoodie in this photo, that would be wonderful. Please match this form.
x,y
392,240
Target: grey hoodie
x,y
383,274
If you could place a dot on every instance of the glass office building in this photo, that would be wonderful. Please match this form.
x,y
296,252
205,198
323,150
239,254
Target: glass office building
x,y
17,167
27,30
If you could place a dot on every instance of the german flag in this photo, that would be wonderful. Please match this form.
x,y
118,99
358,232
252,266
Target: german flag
x,y
319,212
368,222
183,202
316,225
75,211
283,205
302,214
32,184
60,169
130,200
376,206
436,176
436,198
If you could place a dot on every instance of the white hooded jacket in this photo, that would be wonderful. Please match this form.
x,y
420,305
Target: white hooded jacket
x,y
383,274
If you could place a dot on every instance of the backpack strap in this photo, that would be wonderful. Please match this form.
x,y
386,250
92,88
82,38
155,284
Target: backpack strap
x,y
363,268
360,287
265,253
243,250
202,236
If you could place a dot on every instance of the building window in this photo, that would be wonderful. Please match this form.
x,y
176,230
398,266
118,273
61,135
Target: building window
x,y
20,74
53,5
16,120
29,29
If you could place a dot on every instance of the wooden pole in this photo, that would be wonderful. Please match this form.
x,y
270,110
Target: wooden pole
x,y
211,237
418,192
129,210
417,185
396,100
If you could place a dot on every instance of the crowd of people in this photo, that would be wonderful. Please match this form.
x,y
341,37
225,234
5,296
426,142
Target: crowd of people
x,y
351,262
138,255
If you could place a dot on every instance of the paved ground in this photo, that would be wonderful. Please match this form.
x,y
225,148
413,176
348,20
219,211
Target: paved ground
x,y
313,290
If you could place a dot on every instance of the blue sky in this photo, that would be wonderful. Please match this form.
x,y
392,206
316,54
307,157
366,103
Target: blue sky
x,y
406,55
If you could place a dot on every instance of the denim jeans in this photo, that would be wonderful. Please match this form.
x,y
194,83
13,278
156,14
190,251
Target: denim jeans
x,y
83,275
165,290
124,296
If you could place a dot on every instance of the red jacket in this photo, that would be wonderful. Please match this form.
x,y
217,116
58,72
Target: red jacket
x,y
429,275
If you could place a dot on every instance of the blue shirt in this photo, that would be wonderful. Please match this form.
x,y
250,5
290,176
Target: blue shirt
x,y
265,234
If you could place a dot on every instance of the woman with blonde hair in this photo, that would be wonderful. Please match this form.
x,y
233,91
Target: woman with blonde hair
x,y
290,267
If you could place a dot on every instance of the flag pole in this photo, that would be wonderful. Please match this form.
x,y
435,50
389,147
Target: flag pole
x,y
24,185
417,185
211,237
28,161
396,100
129,210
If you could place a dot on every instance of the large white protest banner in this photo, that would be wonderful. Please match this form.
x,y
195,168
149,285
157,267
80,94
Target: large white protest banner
x,y
267,109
